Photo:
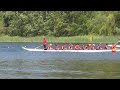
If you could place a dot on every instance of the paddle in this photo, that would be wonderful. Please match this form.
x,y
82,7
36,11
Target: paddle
x,y
38,46
116,43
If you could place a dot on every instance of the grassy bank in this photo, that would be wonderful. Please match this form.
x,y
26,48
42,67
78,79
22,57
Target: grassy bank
x,y
74,39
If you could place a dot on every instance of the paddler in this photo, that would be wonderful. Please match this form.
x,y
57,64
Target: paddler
x,y
106,47
92,47
77,47
63,47
99,47
56,47
86,47
89,46
83,47
45,43
113,47
70,46
49,46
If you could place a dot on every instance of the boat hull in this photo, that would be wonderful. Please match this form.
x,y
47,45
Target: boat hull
x,y
91,51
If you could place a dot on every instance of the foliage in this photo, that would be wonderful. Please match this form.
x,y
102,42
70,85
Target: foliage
x,y
59,23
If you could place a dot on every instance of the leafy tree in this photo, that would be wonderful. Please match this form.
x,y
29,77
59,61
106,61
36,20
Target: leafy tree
x,y
59,23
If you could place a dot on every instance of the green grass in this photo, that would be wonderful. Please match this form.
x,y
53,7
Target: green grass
x,y
50,39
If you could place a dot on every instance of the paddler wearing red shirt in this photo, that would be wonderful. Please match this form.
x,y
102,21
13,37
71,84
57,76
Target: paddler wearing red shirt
x,y
83,47
77,47
99,47
56,47
44,43
63,47
106,47
87,46
92,47
113,47
49,47
70,46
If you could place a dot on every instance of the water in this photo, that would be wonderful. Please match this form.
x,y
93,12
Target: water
x,y
20,64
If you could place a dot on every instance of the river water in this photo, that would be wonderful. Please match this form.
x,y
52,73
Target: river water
x,y
16,63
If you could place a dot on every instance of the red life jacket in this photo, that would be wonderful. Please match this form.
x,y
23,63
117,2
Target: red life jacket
x,y
92,47
49,46
56,47
83,47
63,47
77,47
113,47
99,47
86,47
106,47
70,46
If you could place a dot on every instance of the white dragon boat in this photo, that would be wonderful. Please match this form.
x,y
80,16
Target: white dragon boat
x,y
91,51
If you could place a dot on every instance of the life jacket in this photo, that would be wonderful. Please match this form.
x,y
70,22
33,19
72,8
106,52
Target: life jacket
x,y
113,46
86,47
70,46
92,47
56,47
99,47
63,47
83,47
77,47
106,47
49,47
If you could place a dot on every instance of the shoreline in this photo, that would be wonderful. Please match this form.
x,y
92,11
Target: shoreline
x,y
50,39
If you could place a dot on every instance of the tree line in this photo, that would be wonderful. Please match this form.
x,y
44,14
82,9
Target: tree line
x,y
59,23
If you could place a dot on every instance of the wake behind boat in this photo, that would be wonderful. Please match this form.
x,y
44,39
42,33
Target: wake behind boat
x,y
91,51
